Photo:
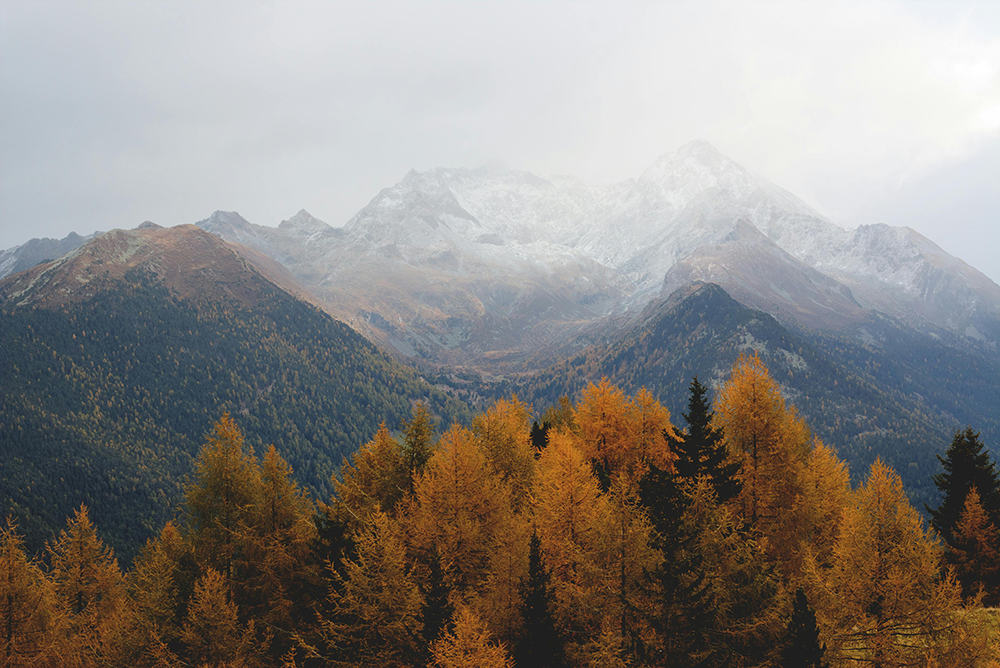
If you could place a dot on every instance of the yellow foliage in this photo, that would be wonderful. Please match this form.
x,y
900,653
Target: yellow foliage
x,y
772,443
570,513
469,644
503,433
375,478
826,490
461,509
30,617
623,435
884,599
380,601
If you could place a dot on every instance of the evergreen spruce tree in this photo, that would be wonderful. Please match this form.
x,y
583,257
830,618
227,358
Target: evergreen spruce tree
x,y
701,450
966,465
686,612
437,610
802,648
540,644
539,436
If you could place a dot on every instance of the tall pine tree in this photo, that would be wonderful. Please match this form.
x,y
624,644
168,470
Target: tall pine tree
x,y
540,644
686,610
701,450
966,465
802,648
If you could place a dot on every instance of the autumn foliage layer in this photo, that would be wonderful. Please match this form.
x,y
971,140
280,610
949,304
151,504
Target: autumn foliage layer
x,y
600,534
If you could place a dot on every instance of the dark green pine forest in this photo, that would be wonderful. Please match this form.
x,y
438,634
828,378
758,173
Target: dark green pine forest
x,y
106,402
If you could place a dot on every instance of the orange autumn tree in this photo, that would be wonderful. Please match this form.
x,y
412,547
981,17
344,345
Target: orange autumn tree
x,y
375,603
275,547
460,509
153,586
569,512
31,621
976,551
91,587
826,490
621,436
503,433
212,632
220,502
469,644
374,479
885,601
772,444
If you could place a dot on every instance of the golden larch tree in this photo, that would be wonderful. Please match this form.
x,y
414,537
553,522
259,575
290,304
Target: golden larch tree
x,y
375,478
826,490
605,430
276,572
220,502
31,623
885,601
461,508
212,632
570,513
772,444
503,433
376,604
469,644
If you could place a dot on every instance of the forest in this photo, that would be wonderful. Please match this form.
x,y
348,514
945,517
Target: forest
x,y
106,401
598,533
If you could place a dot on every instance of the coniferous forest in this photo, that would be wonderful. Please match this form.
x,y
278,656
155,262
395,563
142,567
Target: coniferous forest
x,y
106,401
601,533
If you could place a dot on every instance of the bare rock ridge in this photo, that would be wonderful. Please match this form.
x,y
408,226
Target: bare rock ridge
x,y
187,260
28,254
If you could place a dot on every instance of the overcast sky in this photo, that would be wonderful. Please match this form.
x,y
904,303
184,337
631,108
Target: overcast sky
x,y
112,113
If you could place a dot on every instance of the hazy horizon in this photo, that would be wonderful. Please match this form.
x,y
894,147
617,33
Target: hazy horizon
x,y
115,113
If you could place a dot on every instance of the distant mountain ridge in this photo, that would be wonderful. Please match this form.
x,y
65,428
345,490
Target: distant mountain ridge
x,y
35,251
455,265
484,266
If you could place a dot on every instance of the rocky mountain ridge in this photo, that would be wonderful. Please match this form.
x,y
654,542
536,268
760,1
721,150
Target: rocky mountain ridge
x,y
436,261
487,266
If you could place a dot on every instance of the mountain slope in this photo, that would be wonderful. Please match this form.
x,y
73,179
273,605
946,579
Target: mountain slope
x,y
117,359
860,399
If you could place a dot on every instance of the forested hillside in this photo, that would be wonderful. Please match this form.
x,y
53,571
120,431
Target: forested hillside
x,y
878,399
106,400
606,536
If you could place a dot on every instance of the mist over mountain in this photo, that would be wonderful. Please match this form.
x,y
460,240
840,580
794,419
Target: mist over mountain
x,y
475,266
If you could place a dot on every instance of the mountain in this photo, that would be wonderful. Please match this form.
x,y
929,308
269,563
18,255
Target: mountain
x,y
898,271
35,251
900,397
486,267
117,358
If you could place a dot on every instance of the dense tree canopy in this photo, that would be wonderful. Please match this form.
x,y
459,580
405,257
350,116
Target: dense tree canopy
x,y
624,541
